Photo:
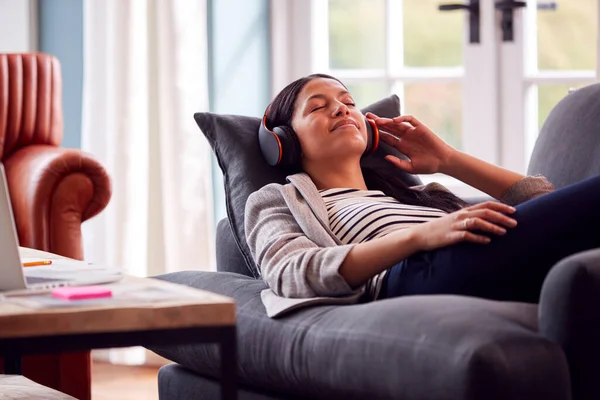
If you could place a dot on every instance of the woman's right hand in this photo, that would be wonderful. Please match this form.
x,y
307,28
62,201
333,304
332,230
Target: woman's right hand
x,y
489,217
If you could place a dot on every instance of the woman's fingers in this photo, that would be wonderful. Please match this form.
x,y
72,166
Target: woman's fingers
x,y
479,224
402,164
494,217
408,119
466,236
394,141
472,237
390,123
388,138
493,205
395,128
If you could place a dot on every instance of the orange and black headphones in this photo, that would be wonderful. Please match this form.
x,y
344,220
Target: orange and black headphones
x,y
280,146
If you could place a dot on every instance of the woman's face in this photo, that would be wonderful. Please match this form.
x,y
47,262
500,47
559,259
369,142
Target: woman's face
x,y
327,122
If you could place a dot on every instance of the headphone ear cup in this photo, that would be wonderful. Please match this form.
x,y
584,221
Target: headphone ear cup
x,y
372,136
270,145
291,151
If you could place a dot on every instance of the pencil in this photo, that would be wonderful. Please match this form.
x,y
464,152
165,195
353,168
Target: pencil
x,y
36,263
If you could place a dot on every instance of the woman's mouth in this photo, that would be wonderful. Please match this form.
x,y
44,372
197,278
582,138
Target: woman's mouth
x,y
344,124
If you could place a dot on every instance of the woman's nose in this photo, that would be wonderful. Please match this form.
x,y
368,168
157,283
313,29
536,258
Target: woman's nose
x,y
341,109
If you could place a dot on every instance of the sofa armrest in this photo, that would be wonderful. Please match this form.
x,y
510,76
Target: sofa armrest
x,y
53,190
569,315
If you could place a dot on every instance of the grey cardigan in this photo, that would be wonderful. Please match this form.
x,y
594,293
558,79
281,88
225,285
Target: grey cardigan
x,y
297,254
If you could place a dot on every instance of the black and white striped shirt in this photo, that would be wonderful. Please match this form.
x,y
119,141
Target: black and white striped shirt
x,y
357,216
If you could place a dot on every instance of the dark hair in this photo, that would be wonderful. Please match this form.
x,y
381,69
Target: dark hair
x,y
280,113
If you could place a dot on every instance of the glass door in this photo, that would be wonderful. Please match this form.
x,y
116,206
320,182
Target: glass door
x,y
552,50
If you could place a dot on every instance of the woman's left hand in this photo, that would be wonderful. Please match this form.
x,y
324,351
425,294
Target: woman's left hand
x,y
427,152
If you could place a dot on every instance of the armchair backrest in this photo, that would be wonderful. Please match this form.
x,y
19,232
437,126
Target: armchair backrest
x,y
567,150
30,101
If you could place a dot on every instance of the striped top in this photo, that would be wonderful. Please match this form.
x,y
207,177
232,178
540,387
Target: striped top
x,y
357,216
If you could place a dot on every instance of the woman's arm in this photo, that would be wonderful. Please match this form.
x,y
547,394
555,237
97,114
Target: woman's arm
x,y
489,178
429,154
367,259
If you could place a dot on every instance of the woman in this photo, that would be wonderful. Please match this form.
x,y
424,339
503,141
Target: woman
x,y
336,233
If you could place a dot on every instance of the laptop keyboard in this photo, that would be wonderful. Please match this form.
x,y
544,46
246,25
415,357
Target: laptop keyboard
x,y
34,280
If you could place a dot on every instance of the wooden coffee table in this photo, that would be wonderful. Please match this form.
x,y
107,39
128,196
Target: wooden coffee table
x,y
197,317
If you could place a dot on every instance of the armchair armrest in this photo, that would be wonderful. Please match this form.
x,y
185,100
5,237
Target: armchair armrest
x,y
53,190
569,315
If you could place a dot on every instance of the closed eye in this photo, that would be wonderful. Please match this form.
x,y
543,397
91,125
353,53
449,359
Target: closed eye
x,y
349,104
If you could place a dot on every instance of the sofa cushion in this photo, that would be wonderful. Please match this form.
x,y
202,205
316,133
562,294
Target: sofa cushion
x,y
234,140
414,347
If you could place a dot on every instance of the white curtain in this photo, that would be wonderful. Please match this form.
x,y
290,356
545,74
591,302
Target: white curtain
x,y
145,74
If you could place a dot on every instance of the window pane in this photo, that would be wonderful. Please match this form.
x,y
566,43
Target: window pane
x,y
548,96
432,38
356,33
438,106
367,93
567,36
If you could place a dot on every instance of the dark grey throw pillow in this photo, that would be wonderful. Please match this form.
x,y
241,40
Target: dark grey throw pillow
x,y
234,140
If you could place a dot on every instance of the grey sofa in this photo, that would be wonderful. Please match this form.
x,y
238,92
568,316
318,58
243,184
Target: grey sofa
x,y
418,347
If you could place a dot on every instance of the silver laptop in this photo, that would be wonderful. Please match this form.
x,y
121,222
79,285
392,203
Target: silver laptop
x,y
15,278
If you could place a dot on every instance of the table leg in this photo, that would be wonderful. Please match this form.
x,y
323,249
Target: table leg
x,y
228,346
12,364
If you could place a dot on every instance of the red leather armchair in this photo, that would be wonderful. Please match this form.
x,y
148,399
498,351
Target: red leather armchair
x,y
53,189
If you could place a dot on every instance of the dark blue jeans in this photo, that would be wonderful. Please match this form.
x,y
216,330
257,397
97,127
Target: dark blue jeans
x,y
513,266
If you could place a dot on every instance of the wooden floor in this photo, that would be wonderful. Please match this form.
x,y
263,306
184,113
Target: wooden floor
x,y
120,382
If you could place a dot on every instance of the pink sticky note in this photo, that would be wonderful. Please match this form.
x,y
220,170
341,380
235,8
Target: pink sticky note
x,y
81,292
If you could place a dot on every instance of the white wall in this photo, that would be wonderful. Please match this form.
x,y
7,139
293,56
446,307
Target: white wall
x,y
18,25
